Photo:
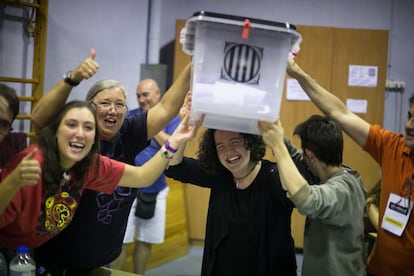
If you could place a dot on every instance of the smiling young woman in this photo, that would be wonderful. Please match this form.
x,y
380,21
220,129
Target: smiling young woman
x,y
42,186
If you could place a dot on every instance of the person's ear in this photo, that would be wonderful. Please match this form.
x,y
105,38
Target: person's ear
x,y
309,154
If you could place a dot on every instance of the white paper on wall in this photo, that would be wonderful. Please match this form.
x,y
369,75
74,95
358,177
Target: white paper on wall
x,y
366,76
357,106
294,91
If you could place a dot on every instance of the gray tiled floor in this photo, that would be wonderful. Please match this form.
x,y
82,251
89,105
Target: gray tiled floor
x,y
190,265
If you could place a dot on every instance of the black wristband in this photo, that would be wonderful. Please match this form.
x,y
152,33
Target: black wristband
x,y
68,80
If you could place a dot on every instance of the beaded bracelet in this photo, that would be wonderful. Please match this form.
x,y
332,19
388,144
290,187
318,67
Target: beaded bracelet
x,y
167,151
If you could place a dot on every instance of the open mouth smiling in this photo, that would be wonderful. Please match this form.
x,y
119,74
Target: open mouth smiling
x,y
233,159
110,122
76,145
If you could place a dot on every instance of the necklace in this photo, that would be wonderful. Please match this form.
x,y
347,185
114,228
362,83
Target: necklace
x,y
237,179
65,178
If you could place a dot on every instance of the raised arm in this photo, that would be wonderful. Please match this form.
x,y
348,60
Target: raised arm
x,y
331,105
56,97
163,112
178,156
160,137
151,170
184,111
273,136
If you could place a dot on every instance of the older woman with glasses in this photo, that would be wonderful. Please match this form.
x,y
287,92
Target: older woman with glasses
x,y
122,139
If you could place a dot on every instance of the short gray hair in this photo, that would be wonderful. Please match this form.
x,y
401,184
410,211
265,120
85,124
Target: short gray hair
x,y
101,85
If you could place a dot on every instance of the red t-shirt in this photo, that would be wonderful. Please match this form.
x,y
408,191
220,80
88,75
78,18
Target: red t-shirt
x,y
392,255
35,216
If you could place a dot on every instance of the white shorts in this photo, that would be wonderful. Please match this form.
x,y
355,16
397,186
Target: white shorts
x,y
148,230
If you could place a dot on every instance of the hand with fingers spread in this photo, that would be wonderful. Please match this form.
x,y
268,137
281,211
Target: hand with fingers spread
x,y
86,69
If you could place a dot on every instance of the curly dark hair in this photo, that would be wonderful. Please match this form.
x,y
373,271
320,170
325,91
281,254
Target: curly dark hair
x,y
207,153
52,170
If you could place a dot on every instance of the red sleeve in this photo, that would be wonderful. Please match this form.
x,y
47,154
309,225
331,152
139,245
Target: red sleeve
x,y
108,176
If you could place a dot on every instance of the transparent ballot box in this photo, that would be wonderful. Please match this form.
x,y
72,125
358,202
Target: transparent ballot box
x,y
239,67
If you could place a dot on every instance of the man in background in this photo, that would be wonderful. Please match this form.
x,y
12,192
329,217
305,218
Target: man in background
x,y
146,220
11,143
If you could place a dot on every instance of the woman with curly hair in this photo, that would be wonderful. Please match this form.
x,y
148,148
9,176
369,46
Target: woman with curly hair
x,y
248,222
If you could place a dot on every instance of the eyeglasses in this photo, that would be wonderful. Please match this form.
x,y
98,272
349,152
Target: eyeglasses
x,y
5,125
106,106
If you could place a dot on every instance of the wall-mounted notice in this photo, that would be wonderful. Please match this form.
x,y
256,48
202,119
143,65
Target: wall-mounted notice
x,y
357,106
360,75
294,91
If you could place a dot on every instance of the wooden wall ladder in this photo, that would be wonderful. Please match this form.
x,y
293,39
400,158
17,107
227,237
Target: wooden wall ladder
x,y
40,8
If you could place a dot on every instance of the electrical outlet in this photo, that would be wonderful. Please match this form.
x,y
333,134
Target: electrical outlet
x,y
394,86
